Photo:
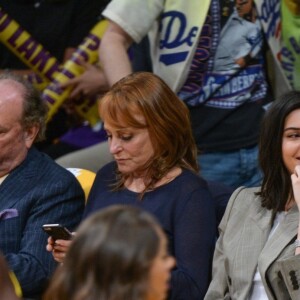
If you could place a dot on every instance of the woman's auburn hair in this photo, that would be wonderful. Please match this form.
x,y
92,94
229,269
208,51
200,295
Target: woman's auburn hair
x,y
167,120
276,189
110,258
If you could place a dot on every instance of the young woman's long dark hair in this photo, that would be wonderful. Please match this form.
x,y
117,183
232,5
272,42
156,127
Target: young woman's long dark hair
x,y
110,257
276,189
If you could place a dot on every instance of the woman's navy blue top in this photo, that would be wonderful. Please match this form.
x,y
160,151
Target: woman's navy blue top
x,y
185,209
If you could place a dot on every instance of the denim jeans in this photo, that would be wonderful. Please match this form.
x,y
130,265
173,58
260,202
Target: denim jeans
x,y
236,168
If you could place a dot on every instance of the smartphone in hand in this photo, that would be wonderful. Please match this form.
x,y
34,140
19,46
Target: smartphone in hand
x,y
57,231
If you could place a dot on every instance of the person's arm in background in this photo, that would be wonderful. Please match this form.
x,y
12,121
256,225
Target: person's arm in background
x,y
114,60
128,22
84,18
113,53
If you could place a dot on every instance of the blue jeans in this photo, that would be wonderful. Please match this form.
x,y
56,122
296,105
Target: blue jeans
x,y
236,168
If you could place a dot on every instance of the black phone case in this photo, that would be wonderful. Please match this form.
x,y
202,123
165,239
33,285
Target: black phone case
x,y
58,232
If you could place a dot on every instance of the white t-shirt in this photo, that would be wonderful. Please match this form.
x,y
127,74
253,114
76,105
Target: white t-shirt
x,y
161,19
258,290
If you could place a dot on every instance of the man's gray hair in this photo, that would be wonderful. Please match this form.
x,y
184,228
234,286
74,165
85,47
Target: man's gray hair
x,y
34,108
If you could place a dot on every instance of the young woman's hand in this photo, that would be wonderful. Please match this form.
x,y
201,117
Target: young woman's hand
x,y
296,185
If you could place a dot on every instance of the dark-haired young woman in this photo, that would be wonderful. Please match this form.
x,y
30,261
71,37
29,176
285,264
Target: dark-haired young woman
x,y
257,254
119,253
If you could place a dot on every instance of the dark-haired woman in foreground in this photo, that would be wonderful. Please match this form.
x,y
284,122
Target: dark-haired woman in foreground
x,y
118,253
257,254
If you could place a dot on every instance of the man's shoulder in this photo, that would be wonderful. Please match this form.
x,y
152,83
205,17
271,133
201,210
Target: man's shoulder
x,y
40,160
40,166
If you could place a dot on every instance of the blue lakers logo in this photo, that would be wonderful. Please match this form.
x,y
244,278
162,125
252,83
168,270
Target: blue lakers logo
x,y
174,21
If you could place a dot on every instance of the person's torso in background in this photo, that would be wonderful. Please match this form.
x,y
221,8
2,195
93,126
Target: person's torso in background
x,y
226,86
